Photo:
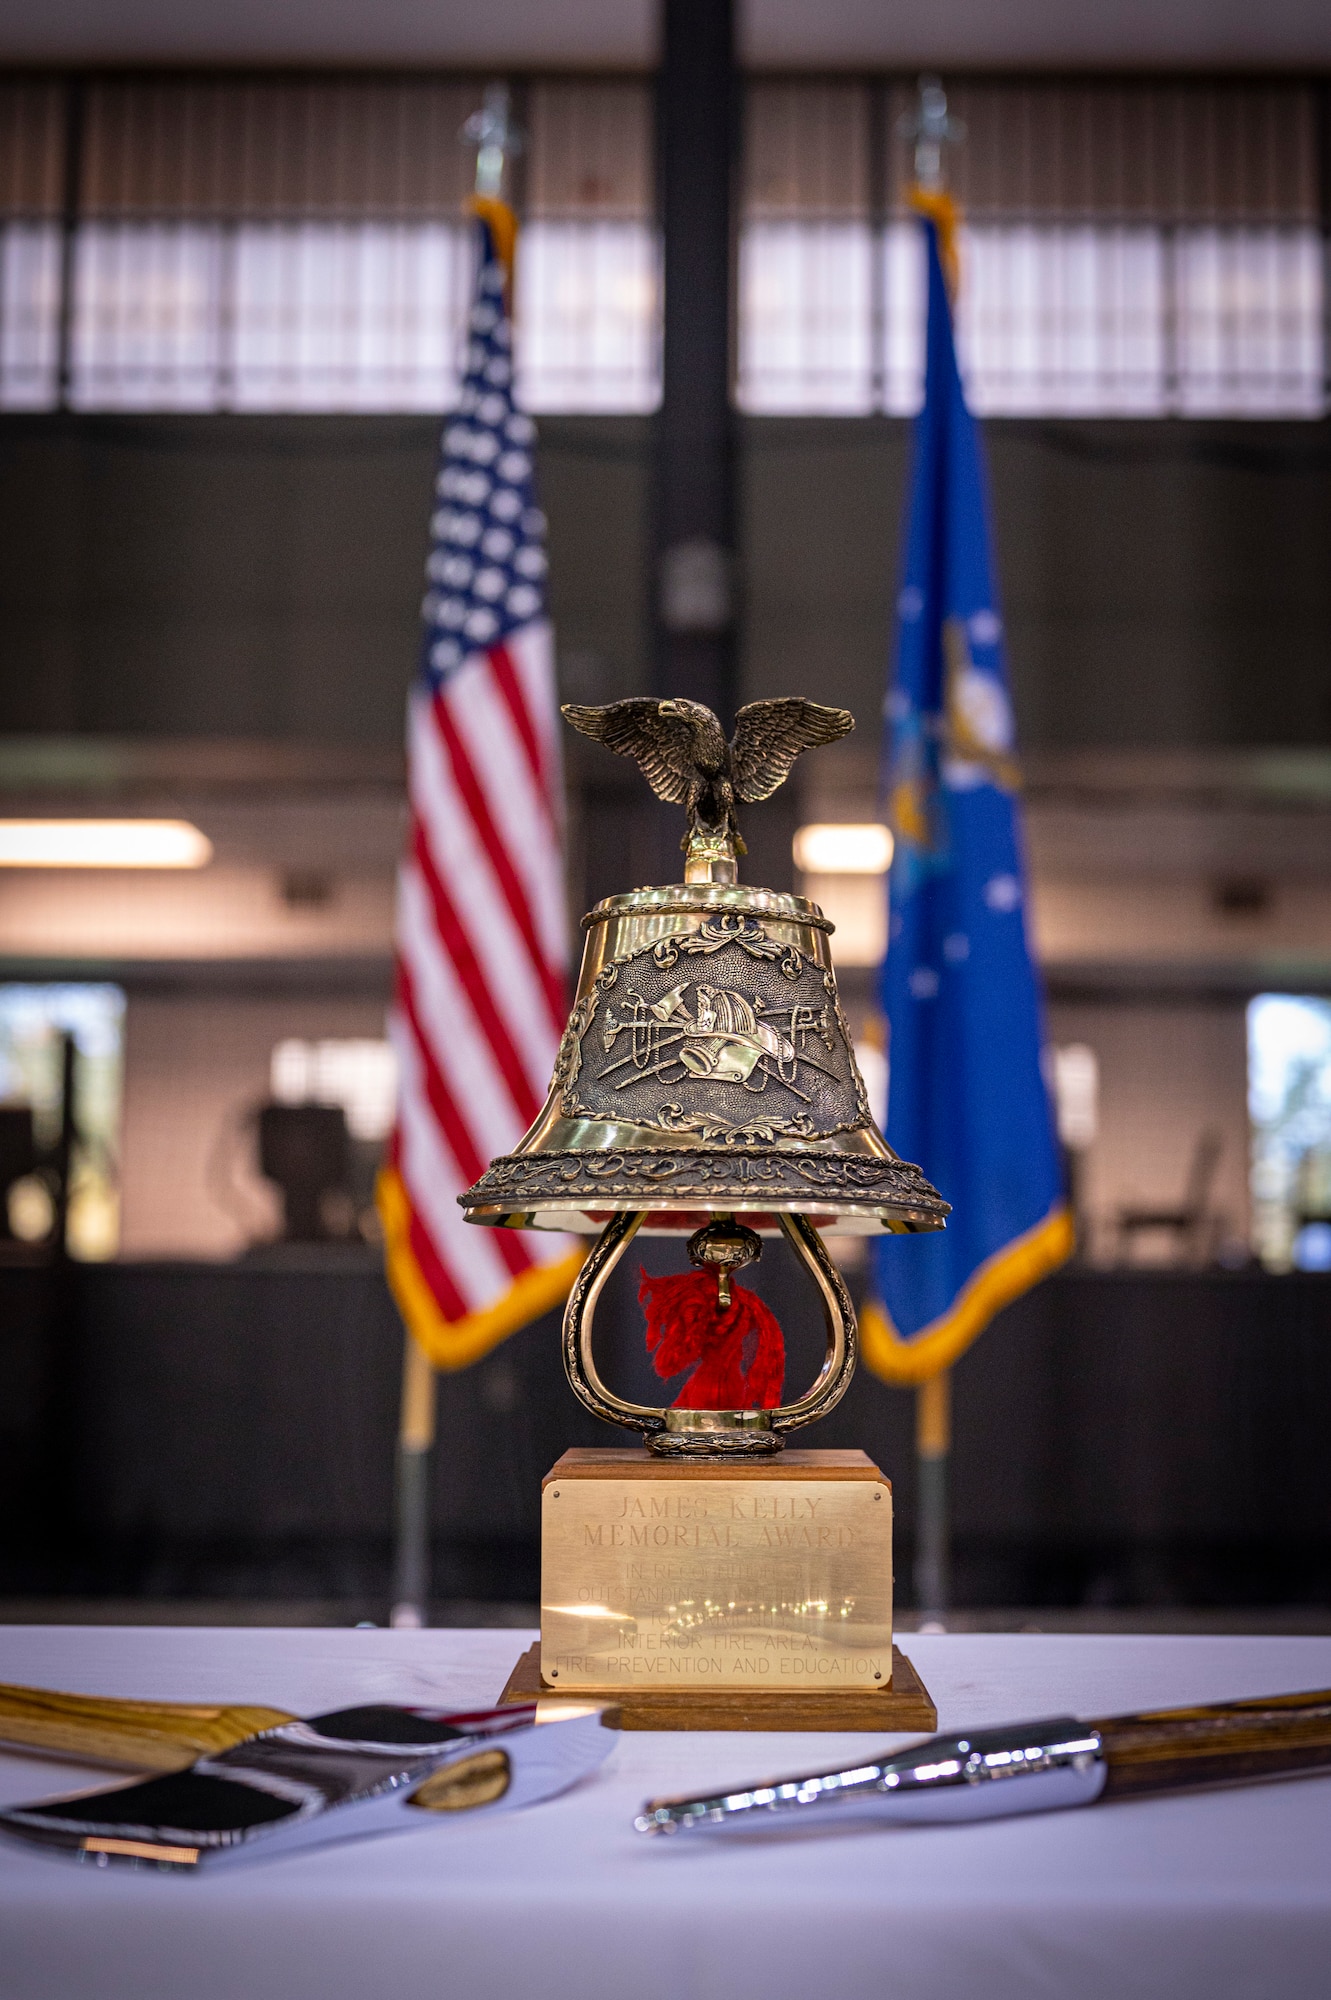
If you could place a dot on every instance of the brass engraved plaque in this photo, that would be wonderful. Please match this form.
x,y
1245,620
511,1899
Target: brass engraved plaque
x,y
717,1579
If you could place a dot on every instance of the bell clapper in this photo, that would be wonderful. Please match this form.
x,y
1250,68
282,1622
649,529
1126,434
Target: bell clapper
x,y
724,1245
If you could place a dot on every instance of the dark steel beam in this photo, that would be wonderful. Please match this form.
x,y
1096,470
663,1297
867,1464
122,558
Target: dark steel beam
x,y
693,580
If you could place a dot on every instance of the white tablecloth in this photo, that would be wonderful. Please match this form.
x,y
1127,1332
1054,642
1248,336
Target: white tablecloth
x,y
1216,1896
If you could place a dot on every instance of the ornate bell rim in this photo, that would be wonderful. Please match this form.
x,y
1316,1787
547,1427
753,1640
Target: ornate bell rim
x,y
492,1200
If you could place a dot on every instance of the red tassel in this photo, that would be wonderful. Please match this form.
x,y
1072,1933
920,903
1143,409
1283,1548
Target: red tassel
x,y
686,1329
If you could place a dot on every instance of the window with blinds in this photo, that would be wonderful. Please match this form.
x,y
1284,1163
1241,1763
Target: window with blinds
x,y
32,173
213,243
1135,249
588,292
274,245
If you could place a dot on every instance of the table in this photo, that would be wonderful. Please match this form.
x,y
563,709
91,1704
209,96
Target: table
x,y
1216,1896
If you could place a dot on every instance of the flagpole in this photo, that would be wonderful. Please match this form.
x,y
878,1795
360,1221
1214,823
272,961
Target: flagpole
x,y
959,985
415,1448
933,131
495,138
933,1446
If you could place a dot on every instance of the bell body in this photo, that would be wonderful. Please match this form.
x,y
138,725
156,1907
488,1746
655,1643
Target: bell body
x,y
706,1068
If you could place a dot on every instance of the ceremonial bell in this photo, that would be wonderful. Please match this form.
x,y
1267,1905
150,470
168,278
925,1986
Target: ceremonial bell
x,y
706,1084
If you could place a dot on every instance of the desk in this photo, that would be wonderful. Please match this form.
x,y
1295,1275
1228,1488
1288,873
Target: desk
x,y
1207,1896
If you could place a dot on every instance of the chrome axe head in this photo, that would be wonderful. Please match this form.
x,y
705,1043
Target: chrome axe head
x,y
331,1777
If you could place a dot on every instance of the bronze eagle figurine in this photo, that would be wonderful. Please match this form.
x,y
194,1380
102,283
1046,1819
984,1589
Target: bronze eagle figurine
x,y
681,750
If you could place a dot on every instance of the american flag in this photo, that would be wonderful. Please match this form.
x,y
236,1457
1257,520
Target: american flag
x,y
480,997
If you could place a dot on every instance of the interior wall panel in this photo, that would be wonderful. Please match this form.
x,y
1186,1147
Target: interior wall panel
x,y
1162,584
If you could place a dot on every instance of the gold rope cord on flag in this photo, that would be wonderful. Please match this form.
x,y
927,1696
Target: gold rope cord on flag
x,y
1014,1269
453,1344
502,224
940,209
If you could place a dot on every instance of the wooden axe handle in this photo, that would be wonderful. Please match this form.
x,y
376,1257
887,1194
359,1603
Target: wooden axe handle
x,y
1172,1749
128,1735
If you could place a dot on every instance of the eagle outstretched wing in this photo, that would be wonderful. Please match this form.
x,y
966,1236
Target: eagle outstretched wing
x,y
769,736
661,745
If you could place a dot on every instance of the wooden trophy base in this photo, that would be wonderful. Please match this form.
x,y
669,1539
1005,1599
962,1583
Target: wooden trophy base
x,y
905,1705
705,1593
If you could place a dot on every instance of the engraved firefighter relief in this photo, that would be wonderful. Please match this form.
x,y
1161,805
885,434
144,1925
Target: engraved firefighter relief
x,y
723,1031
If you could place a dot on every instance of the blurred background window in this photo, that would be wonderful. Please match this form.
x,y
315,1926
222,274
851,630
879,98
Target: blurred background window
x,y
29,301
589,307
33,1023
1131,248
358,1074
1289,1083
302,246
321,1136
587,297
32,154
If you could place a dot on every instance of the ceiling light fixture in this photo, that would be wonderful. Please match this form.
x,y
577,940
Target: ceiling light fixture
x,y
843,849
103,843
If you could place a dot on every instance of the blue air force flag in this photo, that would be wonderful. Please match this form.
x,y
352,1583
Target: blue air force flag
x,y
967,1098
